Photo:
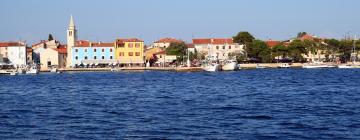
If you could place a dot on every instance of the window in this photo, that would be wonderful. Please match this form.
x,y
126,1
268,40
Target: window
x,y
110,49
76,58
94,57
85,50
102,50
223,47
111,57
160,56
130,45
49,63
131,53
102,57
229,47
137,54
94,50
217,47
70,33
121,53
138,45
85,57
76,50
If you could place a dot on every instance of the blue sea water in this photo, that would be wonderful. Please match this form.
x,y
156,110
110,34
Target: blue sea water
x,y
246,104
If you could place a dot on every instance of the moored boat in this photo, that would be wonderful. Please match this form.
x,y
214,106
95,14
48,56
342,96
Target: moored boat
x,y
284,65
229,65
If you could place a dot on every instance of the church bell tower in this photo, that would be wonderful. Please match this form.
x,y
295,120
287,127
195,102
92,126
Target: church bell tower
x,y
71,41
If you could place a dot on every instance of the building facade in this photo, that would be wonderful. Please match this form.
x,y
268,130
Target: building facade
x,y
130,52
14,53
89,53
217,48
165,42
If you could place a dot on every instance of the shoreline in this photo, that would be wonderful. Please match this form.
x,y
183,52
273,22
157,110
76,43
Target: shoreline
x,y
176,69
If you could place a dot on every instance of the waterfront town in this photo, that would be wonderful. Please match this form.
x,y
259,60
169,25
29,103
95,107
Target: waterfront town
x,y
209,54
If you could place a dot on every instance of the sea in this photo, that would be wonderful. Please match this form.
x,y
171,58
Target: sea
x,y
246,104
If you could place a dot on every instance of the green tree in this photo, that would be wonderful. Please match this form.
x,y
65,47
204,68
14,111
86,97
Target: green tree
x,y
50,37
239,57
296,49
301,34
279,50
332,48
178,49
258,49
244,38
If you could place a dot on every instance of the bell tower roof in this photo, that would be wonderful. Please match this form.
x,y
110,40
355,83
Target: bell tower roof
x,y
71,24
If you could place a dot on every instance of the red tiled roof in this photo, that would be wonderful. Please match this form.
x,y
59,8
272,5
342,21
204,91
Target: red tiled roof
x,y
168,40
8,44
307,37
29,49
101,44
272,43
61,50
190,46
82,43
213,41
128,40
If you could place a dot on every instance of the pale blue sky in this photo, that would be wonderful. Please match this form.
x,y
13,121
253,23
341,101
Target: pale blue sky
x,y
105,20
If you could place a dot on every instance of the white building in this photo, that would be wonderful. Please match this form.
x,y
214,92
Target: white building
x,y
217,48
13,53
165,42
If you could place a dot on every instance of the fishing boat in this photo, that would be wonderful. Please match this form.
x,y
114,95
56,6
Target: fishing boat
x,y
229,65
211,67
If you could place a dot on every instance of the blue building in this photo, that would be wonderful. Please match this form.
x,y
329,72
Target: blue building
x,y
86,53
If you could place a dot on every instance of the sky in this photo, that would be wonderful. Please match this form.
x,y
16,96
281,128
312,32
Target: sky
x,y
150,20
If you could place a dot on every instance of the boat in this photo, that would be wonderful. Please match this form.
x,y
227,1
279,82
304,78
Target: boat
x,y
32,69
211,67
54,70
353,65
8,72
260,67
230,65
316,65
348,66
284,65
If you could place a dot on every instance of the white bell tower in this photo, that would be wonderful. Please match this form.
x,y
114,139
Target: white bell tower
x,y
71,41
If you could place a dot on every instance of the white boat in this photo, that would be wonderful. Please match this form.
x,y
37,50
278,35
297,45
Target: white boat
x,y
353,55
260,67
348,66
316,65
32,70
211,67
230,65
284,65
8,72
54,70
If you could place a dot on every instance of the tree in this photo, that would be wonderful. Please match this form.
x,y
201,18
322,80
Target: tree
x,y
301,34
296,49
244,38
279,50
258,49
178,49
239,57
50,37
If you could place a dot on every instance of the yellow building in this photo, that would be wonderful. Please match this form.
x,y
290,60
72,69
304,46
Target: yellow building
x,y
130,52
